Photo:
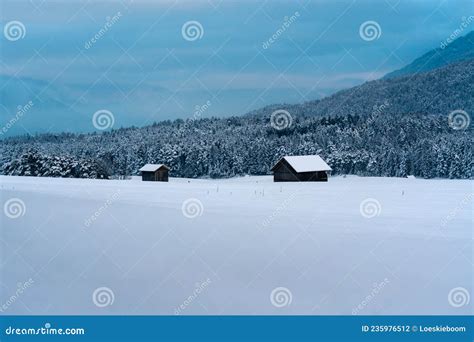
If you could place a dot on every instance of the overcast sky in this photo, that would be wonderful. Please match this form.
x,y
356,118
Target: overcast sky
x,y
144,69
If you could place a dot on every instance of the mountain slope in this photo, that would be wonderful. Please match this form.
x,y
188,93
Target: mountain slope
x,y
439,91
459,50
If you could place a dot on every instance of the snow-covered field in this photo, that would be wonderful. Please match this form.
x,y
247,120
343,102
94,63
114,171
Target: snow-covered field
x,y
239,246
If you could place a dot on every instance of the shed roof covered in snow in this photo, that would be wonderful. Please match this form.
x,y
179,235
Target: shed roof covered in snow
x,y
311,163
153,167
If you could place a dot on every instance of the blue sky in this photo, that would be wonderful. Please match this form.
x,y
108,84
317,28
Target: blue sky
x,y
142,69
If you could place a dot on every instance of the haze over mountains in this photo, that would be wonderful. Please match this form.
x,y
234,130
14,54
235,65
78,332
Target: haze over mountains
x,y
439,82
143,70
459,50
435,83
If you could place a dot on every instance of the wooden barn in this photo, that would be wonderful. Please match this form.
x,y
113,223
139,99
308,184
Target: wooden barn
x,y
155,172
301,169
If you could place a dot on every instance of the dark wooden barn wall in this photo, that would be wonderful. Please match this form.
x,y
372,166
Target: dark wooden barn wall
x,y
285,173
157,176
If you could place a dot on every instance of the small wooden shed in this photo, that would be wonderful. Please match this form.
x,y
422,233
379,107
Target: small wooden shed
x,y
301,169
155,172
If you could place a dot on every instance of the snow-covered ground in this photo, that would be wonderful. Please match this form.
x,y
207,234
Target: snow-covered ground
x,y
238,246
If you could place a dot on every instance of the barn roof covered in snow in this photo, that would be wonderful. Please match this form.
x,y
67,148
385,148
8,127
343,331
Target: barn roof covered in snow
x,y
153,167
306,163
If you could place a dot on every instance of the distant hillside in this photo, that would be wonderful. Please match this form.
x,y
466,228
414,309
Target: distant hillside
x,y
459,50
378,145
439,92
